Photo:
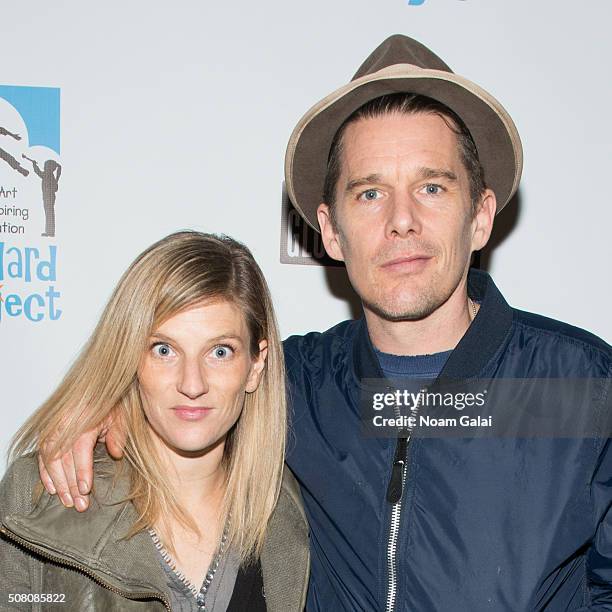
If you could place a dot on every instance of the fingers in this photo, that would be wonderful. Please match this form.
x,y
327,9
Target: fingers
x,y
44,476
62,474
115,439
71,475
70,499
55,481
82,455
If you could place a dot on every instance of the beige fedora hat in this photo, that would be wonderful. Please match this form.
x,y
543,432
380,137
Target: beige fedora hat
x,y
402,65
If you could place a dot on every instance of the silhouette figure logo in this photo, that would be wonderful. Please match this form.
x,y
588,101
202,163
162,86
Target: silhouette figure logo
x,y
50,179
29,159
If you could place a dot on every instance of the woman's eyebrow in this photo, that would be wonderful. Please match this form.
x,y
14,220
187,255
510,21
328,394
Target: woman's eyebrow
x,y
159,336
218,338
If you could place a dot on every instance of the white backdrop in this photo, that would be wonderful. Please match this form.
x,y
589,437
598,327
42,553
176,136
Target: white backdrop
x,y
176,115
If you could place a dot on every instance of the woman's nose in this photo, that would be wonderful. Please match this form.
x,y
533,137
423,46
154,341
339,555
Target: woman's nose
x,y
193,381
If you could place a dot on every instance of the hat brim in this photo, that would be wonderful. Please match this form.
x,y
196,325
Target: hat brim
x,y
496,137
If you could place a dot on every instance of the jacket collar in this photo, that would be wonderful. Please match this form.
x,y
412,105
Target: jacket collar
x,y
94,541
477,347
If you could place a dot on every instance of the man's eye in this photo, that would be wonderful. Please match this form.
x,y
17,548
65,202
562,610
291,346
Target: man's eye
x,y
162,350
433,189
222,352
369,195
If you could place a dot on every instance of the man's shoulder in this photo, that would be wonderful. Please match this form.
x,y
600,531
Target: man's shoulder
x,y
336,338
562,336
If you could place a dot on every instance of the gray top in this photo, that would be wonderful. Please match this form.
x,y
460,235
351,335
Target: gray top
x,y
182,597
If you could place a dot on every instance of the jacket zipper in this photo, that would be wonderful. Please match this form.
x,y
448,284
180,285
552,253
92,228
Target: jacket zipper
x,y
395,491
394,496
84,569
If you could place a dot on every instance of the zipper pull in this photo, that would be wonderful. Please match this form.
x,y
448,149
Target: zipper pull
x,y
396,484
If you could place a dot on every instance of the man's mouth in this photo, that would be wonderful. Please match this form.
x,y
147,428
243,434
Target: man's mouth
x,y
406,263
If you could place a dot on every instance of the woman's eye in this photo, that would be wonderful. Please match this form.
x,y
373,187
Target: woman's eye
x,y
222,352
162,350
369,195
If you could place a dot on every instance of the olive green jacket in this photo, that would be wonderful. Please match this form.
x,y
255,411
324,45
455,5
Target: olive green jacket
x,y
47,549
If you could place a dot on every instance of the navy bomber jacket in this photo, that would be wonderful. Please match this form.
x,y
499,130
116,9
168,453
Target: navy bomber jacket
x,y
483,524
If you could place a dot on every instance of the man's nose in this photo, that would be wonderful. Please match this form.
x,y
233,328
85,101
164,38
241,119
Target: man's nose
x,y
403,216
193,380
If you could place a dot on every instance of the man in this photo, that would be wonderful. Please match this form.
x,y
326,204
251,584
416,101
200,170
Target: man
x,y
411,163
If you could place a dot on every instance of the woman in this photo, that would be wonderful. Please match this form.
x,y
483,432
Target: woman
x,y
198,516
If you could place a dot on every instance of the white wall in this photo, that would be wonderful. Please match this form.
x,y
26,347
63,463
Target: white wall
x,y
177,115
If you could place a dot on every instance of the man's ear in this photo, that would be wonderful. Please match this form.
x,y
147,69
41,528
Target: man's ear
x,y
257,368
482,224
329,235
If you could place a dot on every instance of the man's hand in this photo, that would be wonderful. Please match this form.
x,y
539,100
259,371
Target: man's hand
x,y
71,475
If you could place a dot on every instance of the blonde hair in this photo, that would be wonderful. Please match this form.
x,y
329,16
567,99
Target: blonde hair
x,y
176,273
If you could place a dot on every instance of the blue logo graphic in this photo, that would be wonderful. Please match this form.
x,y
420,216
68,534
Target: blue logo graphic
x,y
29,265
30,171
39,108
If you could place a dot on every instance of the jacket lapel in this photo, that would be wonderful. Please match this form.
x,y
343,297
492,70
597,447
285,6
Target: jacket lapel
x,y
285,559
